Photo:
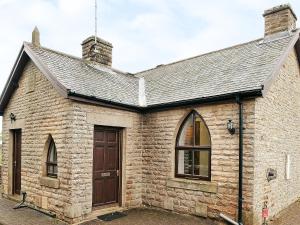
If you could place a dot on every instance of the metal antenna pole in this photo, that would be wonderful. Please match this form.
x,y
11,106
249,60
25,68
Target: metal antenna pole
x,y
96,21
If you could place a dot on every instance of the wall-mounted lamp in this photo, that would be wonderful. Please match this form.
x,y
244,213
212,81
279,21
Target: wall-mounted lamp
x,y
12,117
230,127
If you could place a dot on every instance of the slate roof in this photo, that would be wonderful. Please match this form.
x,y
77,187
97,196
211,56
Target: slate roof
x,y
85,78
239,69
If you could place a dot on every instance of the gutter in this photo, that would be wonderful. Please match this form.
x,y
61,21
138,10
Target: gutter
x,y
158,107
217,98
94,100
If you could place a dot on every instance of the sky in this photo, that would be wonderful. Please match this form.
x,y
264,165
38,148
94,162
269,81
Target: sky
x,y
144,33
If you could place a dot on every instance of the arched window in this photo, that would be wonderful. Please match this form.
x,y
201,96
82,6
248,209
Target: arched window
x,y
193,148
52,160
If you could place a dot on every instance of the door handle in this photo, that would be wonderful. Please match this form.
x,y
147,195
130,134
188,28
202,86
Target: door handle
x,y
15,163
118,173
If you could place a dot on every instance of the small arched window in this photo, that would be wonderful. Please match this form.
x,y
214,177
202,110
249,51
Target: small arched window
x,y
52,160
193,149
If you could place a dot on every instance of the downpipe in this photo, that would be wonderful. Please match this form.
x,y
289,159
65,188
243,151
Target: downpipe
x,y
228,219
241,153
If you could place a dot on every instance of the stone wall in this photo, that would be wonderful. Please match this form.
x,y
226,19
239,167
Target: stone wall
x,y
39,111
277,133
84,118
278,19
203,198
148,151
147,146
100,53
0,162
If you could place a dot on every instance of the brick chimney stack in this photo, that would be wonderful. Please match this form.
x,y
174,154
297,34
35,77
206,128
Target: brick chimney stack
x,y
279,19
98,52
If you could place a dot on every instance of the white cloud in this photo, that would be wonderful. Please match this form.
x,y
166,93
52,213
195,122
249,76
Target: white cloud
x,y
144,32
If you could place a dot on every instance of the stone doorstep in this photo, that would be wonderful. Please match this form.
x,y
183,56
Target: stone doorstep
x,y
99,212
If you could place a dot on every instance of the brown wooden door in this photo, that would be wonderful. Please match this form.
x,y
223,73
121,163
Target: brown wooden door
x,y
17,161
106,166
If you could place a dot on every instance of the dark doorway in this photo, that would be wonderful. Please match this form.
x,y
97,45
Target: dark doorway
x,y
106,164
17,139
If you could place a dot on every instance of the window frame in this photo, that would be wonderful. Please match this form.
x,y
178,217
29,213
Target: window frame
x,y
49,163
193,149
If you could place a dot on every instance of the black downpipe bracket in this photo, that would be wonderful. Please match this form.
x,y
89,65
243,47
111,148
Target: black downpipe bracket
x,y
241,153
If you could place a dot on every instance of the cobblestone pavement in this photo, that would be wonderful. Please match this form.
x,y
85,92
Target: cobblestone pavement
x,y
24,216
289,216
152,217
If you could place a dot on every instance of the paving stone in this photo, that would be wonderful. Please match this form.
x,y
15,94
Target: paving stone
x,y
24,216
289,216
146,216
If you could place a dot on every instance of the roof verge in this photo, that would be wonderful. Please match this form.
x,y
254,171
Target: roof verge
x,y
269,81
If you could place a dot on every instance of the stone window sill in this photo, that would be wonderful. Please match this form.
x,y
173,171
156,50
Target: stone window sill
x,y
49,182
194,185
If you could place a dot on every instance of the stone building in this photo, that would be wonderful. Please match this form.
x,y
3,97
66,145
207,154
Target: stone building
x,y
216,135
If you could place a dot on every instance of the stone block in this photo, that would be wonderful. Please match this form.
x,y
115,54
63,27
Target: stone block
x,y
169,203
49,182
44,202
201,209
73,211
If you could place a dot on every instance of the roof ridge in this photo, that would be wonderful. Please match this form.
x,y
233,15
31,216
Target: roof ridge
x,y
76,58
193,57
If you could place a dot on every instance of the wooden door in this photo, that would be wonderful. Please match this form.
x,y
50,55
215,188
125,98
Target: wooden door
x,y
106,164
17,139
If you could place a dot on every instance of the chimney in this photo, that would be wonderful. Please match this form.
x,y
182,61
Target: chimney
x,y
36,37
279,19
99,51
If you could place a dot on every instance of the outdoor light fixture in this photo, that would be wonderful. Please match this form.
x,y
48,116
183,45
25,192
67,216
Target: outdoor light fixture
x,y
230,127
12,117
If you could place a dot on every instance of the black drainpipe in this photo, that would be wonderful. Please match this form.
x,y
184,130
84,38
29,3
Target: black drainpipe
x,y
241,153
240,197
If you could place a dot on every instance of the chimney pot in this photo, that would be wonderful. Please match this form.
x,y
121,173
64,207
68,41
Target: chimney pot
x,y
279,19
98,52
36,37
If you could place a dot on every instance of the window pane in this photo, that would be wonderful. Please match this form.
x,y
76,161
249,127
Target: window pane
x,y
201,160
202,137
185,159
52,160
54,153
187,133
55,170
52,157
50,169
197,131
